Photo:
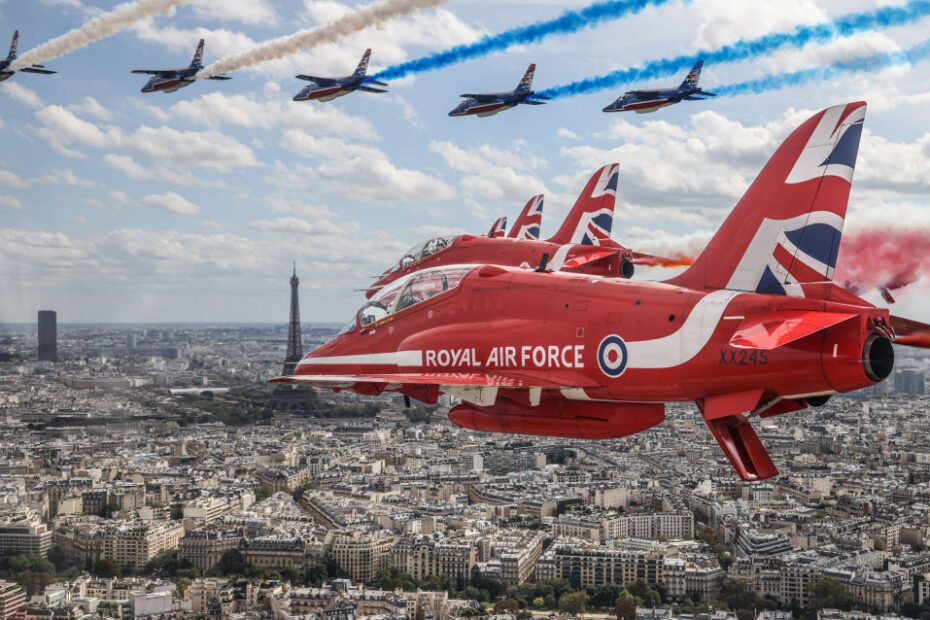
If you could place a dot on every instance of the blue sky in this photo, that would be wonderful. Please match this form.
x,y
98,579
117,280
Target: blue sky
x,y
191,206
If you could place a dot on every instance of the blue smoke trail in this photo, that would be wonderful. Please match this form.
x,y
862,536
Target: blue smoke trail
x,y
857,65
567,22
844,26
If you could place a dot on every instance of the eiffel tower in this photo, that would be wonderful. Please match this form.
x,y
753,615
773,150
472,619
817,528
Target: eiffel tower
x,y
286,396
295,349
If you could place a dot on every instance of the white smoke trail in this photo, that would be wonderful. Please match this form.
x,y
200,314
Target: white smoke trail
x,y
349,24
120,18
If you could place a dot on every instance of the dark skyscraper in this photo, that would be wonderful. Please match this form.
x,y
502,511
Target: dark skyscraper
x,y
295,349
48,336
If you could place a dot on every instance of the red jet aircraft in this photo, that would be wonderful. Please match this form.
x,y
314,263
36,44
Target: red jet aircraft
x,y
527,224
582,244
755,327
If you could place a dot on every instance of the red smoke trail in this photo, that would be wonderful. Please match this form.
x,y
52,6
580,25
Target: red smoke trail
x,y
887,258
680,260
917,339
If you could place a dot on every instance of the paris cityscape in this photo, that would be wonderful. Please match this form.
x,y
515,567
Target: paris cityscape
x,y
150,471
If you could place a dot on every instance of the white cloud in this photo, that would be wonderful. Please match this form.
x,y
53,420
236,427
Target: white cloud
x,y
215,109
61,127
492,172
91,107
11,179
66,177
360,171
22,94
119,199
290,225
245,11
80,219
206,149
217,42
9,202
127,165
172,203
720,23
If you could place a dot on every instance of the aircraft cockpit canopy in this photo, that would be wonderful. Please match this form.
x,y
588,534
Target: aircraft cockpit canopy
x,y
406,292
422,250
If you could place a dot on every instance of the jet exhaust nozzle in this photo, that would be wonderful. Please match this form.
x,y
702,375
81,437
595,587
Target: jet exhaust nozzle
x,y
626,269
877,357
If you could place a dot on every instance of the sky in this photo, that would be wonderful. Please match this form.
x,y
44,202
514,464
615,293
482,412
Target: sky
x,y
118,206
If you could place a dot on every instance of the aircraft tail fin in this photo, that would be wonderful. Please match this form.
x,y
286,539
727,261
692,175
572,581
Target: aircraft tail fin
x,y
529,223
362,69
499,227
785,231
526,82
590,220
197,60
13,46
691,80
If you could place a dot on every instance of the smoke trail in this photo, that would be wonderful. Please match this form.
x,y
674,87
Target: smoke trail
x,y
120,18
371,15
843,26
567,22
873,259
856,65
679,260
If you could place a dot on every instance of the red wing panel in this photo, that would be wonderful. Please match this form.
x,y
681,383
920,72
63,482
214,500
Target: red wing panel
x,y
774,329
577,263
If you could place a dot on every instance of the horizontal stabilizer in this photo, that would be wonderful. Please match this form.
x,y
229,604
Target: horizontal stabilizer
x,y
910,333
37,69
531,102
376,82
220,77
770,330
742,447
369,89
322,81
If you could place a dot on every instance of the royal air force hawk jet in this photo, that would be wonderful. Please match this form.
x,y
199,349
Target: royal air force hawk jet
x,y
170,80
756,327
488,104
643,101
327,89
6,74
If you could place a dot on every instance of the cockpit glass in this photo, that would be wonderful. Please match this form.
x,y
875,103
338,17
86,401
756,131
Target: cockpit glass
x,y
422,250
407,292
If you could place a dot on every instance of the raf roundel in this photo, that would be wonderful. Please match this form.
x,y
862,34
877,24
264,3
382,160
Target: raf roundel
x,y
612,356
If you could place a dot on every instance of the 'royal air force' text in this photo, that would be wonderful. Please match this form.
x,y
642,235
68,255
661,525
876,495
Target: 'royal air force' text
x,y
549,356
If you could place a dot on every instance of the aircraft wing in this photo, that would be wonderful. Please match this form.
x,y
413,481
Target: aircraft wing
x,y
480,389
322,81
770,330
369,89
159,72
37,69
643,94
480,97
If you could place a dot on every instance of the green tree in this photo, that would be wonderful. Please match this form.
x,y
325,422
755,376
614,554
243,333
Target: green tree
x,y
56,555
604,596
232,562
539,601
626,609
574,603
506,605
830,592
106,568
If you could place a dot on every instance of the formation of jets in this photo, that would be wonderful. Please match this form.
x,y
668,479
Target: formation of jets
x,y
475,104
755,327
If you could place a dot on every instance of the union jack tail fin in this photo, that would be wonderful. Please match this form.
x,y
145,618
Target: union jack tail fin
x,y
499,227
590,220
362,67
13,46
528,224
691,81
786,229
197,60
526,83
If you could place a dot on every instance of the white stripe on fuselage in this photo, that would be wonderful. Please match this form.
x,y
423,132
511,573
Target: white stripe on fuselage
x,y
399,358
683,344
